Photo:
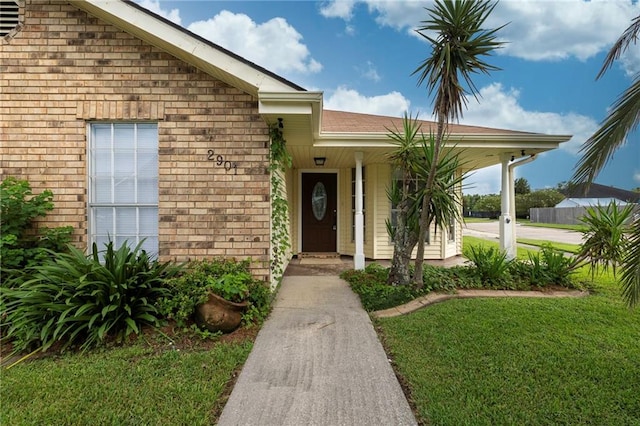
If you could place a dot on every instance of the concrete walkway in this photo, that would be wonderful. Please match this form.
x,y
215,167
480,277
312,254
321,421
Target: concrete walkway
x,y
317,361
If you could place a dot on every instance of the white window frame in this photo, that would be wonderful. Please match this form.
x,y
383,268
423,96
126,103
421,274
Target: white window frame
x,y
151,241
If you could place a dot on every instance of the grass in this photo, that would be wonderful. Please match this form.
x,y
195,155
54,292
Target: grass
x,y
522,252
477,220
569,248
521,361
128,385
578,228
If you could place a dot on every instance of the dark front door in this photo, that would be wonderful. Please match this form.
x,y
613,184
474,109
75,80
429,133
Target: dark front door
x,y
319,212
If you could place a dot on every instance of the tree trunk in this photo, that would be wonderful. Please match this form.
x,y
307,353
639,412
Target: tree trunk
x,y
404,241
426,201
399,273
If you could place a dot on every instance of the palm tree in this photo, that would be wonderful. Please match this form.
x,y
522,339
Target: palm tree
x,y
404,233
458,46
599,148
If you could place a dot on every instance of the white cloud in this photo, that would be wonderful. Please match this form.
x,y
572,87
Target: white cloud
x,y
274,44
631,60
636,176
484,181
338,9
499,108
392,104
370,72
154,5
545,30
536,30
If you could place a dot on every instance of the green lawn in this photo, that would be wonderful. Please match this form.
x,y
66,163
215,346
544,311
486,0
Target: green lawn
x,y
136,385
521,361
578,228
569,248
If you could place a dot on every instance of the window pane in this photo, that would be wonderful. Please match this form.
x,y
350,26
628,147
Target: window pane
x,y
148,191
125,191
101,163
147,164
129,240
148,137
101,190
148,221
125,164
126,221
124,136
101,136
103,221
101,242
150,245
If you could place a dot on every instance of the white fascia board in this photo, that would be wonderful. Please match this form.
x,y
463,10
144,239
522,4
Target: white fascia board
x,y
270,102
499,141
292,103
180,44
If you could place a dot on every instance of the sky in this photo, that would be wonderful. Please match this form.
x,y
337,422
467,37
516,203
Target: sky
x,y
362,55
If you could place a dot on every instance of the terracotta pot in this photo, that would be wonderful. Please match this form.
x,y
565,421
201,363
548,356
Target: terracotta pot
x,y
218,314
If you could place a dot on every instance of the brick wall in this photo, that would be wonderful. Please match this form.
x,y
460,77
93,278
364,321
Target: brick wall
x,y
64,68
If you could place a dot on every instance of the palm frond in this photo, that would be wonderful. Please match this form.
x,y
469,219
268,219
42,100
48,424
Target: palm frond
x,y
630,266
630,35
599,148
458,48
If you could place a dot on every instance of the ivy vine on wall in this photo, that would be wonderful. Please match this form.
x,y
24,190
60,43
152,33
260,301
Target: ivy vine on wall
x,y
279,161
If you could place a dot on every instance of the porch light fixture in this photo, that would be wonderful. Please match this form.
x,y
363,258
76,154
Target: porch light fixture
x,y
319,160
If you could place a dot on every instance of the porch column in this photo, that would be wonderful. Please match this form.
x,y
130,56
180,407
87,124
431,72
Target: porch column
x,y
358,220
507,243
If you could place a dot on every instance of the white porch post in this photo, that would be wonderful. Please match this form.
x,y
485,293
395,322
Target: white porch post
x,y
358,257
507,243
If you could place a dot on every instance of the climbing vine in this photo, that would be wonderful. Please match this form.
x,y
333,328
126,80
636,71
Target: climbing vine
x,y
279,161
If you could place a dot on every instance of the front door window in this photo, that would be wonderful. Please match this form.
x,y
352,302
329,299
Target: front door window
x,y
319,201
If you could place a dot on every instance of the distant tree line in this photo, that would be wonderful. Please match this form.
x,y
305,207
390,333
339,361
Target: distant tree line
x,y
489,205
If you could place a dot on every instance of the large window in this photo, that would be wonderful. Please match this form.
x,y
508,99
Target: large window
x,y
353,204
123,184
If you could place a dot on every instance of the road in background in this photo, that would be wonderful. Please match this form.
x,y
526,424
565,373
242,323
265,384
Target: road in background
x,y
491,230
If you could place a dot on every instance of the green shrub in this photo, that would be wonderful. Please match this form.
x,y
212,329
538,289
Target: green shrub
x,y
543,268
227,278
559,267
20,245
438,278
73,298
606,237
375,294
491,264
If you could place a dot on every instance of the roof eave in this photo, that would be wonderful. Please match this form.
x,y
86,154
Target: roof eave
x,y
466,140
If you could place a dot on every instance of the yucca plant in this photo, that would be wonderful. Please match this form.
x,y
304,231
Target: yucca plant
x,y
81,299
558,267
491,264
605,239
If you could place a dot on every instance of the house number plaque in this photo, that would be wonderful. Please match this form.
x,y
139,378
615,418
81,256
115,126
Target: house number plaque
x,y
221,162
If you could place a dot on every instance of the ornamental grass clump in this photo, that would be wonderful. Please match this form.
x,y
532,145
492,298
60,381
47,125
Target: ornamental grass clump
x,y
79,299
491,265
